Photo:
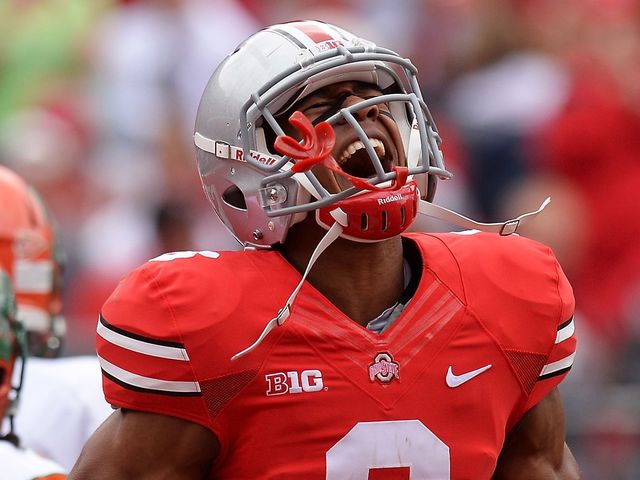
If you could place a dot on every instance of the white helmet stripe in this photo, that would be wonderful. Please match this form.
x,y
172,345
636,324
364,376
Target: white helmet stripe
x,y
306,34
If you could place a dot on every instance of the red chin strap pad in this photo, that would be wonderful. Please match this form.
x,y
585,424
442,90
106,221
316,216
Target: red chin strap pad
x,y
377,215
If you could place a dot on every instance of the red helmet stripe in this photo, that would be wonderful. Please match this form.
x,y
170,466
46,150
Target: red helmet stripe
x,y
314,31
307,34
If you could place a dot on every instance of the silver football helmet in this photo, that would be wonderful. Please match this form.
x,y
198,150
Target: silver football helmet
x,y
253,189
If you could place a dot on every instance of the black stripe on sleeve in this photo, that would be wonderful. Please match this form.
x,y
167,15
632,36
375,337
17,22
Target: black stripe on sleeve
x,y
564,324
554,374
135,388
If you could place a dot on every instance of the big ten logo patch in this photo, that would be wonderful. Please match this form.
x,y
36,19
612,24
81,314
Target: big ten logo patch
x,y
307,381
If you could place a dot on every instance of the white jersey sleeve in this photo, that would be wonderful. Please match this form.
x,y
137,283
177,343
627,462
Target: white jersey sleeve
x,y
61,405
25,464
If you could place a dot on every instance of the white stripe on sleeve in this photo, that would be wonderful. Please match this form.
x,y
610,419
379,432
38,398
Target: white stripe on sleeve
x,y
149,383
140,346
553,367
565,332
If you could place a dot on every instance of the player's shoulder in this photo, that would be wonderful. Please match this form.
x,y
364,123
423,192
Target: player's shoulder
x,y
173,279
173,297
492,246
513,284
489,257
184,265
177,316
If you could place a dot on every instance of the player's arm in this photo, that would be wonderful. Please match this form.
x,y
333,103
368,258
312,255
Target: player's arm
x,y
535,449
133,445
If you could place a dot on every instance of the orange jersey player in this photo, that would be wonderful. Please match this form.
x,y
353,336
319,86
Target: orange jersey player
x,y
61,402
16,461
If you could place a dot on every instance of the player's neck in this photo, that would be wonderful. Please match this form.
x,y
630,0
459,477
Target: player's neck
x,y
360,279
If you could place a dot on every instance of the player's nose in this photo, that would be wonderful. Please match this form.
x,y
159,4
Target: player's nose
x,y
370,112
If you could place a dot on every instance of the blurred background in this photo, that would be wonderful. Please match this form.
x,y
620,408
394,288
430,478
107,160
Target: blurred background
x,y
532,97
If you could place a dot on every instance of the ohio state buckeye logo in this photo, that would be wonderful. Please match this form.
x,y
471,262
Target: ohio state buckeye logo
x,y
383,368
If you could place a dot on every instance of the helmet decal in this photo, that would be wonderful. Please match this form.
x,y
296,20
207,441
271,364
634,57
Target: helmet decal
x,y
312,34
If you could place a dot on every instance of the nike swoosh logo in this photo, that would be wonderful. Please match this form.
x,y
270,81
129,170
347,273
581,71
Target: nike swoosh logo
x,y
457,380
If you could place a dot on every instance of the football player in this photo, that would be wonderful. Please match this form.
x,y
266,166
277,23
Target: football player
x,y
17,463
33,259
62,404
336,345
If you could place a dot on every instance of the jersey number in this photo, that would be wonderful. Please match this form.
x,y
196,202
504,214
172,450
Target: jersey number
x,y
167,257
380,445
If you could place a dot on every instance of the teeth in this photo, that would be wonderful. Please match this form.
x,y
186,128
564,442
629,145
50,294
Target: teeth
x,y
377,145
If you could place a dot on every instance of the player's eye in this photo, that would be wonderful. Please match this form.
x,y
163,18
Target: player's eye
x,y
320,105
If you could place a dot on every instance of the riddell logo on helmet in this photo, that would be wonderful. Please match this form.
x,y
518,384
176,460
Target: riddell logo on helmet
x,y
329,45
396,197
256,156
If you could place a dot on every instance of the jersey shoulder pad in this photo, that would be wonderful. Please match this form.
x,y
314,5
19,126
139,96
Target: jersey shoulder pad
x,y
154,327
490,272
507,279
165,297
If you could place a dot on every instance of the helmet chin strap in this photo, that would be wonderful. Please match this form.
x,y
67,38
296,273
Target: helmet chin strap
x,y
503,228
332,234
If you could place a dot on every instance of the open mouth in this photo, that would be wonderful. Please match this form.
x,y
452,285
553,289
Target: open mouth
x,y
355,159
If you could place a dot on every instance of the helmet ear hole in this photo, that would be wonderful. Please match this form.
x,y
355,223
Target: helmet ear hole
x,y
234,197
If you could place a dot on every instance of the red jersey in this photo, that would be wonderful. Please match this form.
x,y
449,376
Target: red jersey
x,y
487,334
